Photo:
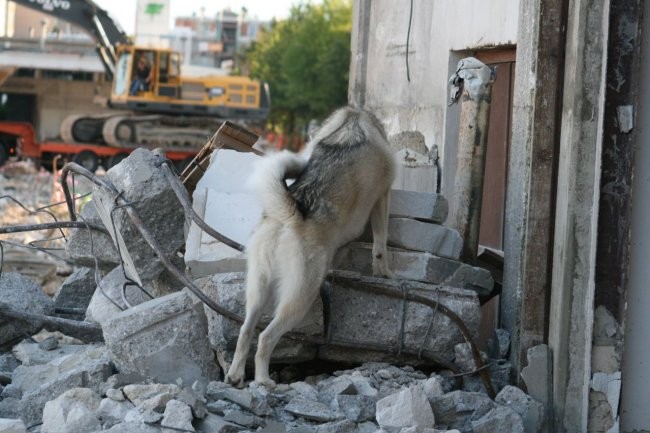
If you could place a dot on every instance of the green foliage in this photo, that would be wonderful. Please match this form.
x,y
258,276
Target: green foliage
x,y
305,60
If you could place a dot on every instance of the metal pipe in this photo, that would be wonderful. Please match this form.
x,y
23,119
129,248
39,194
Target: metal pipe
x,y
472,83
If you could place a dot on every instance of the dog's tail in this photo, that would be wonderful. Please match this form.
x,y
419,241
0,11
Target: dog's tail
x,y
268,182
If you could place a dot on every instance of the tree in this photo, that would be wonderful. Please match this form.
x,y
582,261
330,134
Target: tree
x,y
305,59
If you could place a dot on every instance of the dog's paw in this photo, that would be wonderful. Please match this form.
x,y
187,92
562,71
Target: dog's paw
x,y
235,379
382,272
265,382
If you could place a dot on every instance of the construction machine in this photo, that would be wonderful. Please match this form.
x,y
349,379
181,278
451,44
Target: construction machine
x,y
165,109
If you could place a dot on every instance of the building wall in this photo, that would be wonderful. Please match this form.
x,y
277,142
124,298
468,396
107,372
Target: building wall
x,y
57,99
151,23
441,33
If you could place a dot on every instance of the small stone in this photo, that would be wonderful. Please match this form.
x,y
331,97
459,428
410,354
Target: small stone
x,y
407,408
433,387
305,390
49,343
73,411
139,393
178,415
456,408
139,415
499,419
115,394
357,408
215,424
245,399
112,412
531,411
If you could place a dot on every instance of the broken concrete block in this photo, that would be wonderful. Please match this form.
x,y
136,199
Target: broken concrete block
x,y
243,418
49,344
74,411
8,363
499,419
77,290
216,424
357,408
101,308
224,203
537,374
113,412
84,245
343,426
165,338
143,184
31,354
499,344
416,266
531,411
367,317
420,236
177,416
12,426
205,255
456,409
417,171
423,206
311,410
605,359
610,385
245,399
41,383
21,294
228,290
408,408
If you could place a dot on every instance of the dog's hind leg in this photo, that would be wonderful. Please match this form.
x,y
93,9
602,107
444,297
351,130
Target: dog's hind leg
x,y
296,294
379,223
258,292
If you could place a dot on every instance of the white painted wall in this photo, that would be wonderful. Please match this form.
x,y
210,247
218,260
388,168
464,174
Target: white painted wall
x,y
438,30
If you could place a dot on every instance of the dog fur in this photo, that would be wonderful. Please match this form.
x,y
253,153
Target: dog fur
x,y
341,179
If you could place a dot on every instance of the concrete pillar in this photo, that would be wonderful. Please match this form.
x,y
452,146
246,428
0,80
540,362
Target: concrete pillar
x,y
572,298
475,80
531,171
359,64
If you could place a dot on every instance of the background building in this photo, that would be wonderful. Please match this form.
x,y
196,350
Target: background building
x,y
152,23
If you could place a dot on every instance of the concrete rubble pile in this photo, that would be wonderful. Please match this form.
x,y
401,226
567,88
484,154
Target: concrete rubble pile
x,y
164,351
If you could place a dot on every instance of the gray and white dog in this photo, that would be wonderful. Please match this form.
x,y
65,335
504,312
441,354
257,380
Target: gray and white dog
x,y
342,178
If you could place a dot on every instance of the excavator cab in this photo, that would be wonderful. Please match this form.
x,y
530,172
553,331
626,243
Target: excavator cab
x,y
150,80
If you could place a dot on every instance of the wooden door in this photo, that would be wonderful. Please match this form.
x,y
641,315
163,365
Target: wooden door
x,y
498,144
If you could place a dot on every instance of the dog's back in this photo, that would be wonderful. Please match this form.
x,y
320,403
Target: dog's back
x,y
350,165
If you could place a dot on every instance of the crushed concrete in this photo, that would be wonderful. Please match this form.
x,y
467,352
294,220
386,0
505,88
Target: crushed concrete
x,y
84,246
80,393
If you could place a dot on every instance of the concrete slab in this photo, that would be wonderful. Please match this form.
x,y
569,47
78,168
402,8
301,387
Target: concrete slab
x,y
417,266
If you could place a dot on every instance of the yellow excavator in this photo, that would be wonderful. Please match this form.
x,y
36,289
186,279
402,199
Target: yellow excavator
x,y
159,106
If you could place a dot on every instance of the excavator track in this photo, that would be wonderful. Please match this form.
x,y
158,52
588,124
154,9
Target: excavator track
x,y
158,131
81,128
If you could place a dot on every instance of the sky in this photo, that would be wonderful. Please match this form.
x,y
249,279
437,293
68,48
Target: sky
x,y
123,11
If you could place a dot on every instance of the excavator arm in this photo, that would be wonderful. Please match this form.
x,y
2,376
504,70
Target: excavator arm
x,y
96,21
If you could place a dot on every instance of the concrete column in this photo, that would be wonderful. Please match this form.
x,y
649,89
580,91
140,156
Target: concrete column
x,y
572,298
531,173
359,44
